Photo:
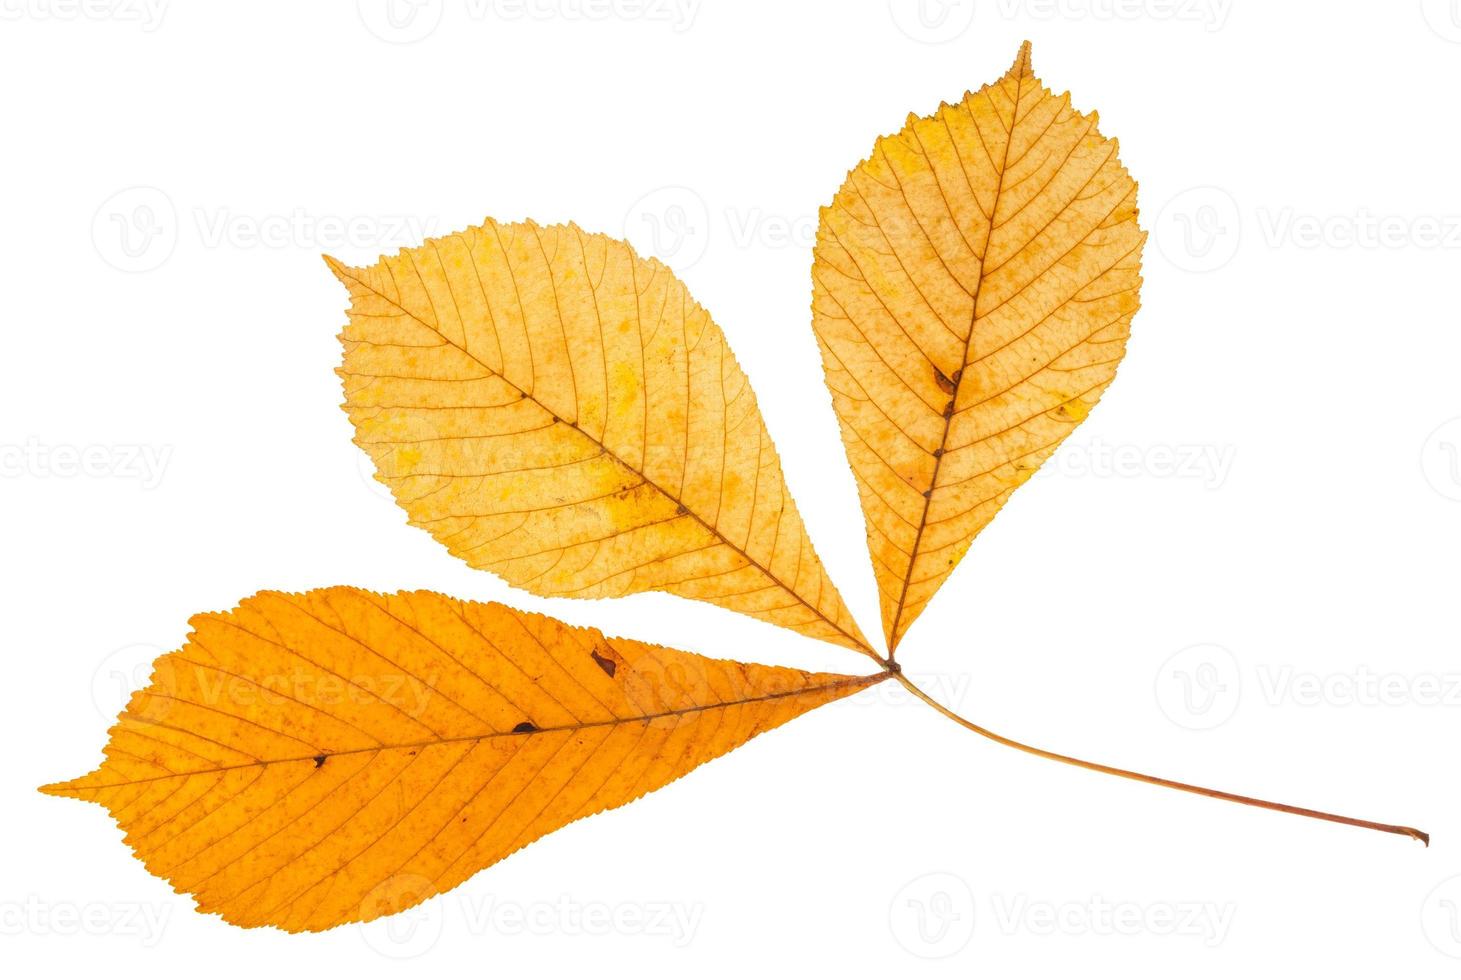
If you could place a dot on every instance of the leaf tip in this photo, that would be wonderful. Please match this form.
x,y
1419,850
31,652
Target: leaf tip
x,y
68,789
1022,65
340,269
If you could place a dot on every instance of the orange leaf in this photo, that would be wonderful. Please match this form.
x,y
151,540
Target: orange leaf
x,y
309,760
558,410
973,284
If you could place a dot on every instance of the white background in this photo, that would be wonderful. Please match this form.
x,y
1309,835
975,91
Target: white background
x,y
1272,478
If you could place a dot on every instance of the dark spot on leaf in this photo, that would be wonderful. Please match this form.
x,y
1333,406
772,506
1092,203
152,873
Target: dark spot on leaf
x,y
523,727
938,452
320,760
944,381
681,510
949,409
605,664
928,494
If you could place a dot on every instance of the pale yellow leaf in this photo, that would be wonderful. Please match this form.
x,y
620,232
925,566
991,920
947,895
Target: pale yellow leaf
x,y
560,411
973,284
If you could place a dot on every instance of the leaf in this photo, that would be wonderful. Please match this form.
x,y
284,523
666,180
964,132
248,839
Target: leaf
x,y
558,410
973,284
309,760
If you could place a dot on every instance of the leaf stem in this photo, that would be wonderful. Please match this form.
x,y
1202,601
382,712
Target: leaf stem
x,y
1419,835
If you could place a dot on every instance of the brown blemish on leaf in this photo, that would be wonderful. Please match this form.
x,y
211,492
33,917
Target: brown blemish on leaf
x,y
944,381
1074,410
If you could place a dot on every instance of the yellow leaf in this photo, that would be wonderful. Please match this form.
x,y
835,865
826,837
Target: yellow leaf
x,y
309,760
973,284
558,410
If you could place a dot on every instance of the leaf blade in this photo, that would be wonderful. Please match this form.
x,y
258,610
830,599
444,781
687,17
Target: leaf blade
x,y
973,286
557,410
309,760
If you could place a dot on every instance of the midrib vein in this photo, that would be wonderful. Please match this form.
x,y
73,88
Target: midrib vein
x,y
893,637
428,743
